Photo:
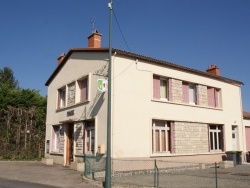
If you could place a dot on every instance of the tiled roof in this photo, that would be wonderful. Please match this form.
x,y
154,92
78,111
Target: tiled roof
x,y
246,115
144,58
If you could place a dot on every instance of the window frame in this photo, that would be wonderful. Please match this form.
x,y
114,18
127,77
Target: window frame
x,y
216,141
61,98
157,88
56,139
163,147
89,141
80,82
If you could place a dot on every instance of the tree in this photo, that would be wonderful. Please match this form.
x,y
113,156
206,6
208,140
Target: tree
x,y
7,78
22,119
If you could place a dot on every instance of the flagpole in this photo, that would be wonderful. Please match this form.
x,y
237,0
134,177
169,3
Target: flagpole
x,y
108,156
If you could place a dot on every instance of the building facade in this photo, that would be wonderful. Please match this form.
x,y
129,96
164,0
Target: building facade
x,y
159,109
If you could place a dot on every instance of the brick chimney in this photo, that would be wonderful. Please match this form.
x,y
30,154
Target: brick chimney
x,y
94,40
60,59
213,69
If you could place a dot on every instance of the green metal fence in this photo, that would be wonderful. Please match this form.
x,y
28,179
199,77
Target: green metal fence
x,y
160,173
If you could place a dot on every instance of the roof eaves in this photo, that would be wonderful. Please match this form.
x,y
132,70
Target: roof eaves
x,y
175,66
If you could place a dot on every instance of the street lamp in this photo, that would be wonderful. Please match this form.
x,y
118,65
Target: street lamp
x,y
108,156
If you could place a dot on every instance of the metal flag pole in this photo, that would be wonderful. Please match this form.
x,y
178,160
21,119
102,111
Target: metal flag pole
x,y
108,157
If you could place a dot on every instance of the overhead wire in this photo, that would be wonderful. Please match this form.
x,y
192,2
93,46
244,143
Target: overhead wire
x,y
121,30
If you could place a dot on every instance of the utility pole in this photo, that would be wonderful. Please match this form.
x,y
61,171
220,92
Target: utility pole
x,y
108,156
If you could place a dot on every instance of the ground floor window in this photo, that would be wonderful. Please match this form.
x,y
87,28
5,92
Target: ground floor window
x,y
161,141
56,138
89,137
216,137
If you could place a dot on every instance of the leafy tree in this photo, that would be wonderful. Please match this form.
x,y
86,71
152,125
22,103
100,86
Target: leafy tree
x,y
7,78
22,119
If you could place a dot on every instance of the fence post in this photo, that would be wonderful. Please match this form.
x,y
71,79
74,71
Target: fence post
x,y
216,180
85,166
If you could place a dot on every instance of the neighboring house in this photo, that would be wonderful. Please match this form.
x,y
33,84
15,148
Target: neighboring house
x,y
246,123
159,109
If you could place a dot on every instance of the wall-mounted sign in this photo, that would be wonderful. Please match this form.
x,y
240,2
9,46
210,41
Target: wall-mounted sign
x,y
70,113
102,85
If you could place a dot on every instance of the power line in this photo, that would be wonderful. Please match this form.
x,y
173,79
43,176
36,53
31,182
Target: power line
x,y
121,31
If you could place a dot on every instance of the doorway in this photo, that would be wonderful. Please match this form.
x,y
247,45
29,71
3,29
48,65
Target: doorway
x,y
234,138
69,143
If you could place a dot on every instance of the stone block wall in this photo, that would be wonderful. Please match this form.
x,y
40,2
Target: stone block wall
x,y
79,138
190,138
177,91
61,147
202,95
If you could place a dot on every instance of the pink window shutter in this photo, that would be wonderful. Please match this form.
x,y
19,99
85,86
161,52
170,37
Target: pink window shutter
x,y
156,87
185,91
84,90
210,97
170,96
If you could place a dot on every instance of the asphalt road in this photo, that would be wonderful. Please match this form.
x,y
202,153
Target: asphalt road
x,y
7,183
36,174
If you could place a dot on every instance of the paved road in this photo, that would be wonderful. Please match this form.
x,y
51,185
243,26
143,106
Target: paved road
x,y
7,183
36,174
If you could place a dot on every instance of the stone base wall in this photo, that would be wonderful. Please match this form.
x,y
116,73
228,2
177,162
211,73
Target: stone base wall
x,y
190,138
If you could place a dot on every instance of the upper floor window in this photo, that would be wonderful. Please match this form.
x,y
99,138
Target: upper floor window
x,y
83,85
213,96
161,88
61,98
189,93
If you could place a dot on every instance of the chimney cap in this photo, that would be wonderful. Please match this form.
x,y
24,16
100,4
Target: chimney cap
x,y
213,69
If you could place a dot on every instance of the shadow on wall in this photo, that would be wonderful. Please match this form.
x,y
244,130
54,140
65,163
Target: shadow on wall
x,y
98,101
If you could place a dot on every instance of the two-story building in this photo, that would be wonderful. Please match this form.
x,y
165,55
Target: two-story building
x,y
159,109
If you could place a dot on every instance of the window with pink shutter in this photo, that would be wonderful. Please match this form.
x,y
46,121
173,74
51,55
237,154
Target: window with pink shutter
x,y
156,87
83,89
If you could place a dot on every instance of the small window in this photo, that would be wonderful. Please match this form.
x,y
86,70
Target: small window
x,y
83,85
56,138
61,98
213,97
189,93
161,88
90,137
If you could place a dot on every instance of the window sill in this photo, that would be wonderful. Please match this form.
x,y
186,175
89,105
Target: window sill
x,y
73,105
186,104
160,154
168,154
55,153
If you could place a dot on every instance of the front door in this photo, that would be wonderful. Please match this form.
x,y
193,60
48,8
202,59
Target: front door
x,y
234,138
69,143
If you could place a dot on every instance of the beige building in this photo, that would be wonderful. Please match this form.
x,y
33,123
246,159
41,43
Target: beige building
x,y
159,109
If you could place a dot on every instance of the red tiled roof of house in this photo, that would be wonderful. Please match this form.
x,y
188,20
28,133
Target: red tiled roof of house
x,y
246,115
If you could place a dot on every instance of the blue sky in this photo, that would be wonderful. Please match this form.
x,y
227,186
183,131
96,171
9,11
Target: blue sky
x,y
192,33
